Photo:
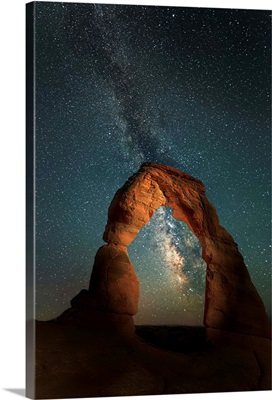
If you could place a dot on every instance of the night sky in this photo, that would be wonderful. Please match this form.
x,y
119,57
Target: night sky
x,y
117,86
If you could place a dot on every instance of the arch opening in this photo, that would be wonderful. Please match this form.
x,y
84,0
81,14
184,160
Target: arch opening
x,y
166,256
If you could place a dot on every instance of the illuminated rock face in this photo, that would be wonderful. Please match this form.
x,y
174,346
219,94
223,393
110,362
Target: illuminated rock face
x,y
114,284
231,300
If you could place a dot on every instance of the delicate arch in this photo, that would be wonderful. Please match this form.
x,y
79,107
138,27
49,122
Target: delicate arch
x,y
231,300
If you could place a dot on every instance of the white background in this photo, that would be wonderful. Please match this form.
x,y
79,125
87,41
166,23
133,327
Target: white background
x,y
12,157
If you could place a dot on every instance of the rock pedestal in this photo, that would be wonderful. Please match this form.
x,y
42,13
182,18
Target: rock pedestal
x,y
114,283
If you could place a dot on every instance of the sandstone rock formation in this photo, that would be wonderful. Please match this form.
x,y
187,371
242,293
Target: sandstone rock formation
x,y
114,284
231,301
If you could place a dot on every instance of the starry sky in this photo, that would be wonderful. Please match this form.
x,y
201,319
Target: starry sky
x,y
119,85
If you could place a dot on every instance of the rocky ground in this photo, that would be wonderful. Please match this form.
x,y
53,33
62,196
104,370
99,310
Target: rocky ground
x,y
91,361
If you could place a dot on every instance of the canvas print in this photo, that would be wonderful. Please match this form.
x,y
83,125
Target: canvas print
x,y
148,200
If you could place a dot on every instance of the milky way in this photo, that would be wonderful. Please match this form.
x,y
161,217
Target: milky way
x,y
120,85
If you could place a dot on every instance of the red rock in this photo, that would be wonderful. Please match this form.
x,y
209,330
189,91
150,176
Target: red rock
x,y
114,283
231,301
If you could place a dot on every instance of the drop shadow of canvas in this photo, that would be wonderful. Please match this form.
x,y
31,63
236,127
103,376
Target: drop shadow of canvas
x,y
19,392
92,348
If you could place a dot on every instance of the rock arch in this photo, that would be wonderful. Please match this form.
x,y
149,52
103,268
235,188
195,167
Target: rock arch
x,y
231,301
